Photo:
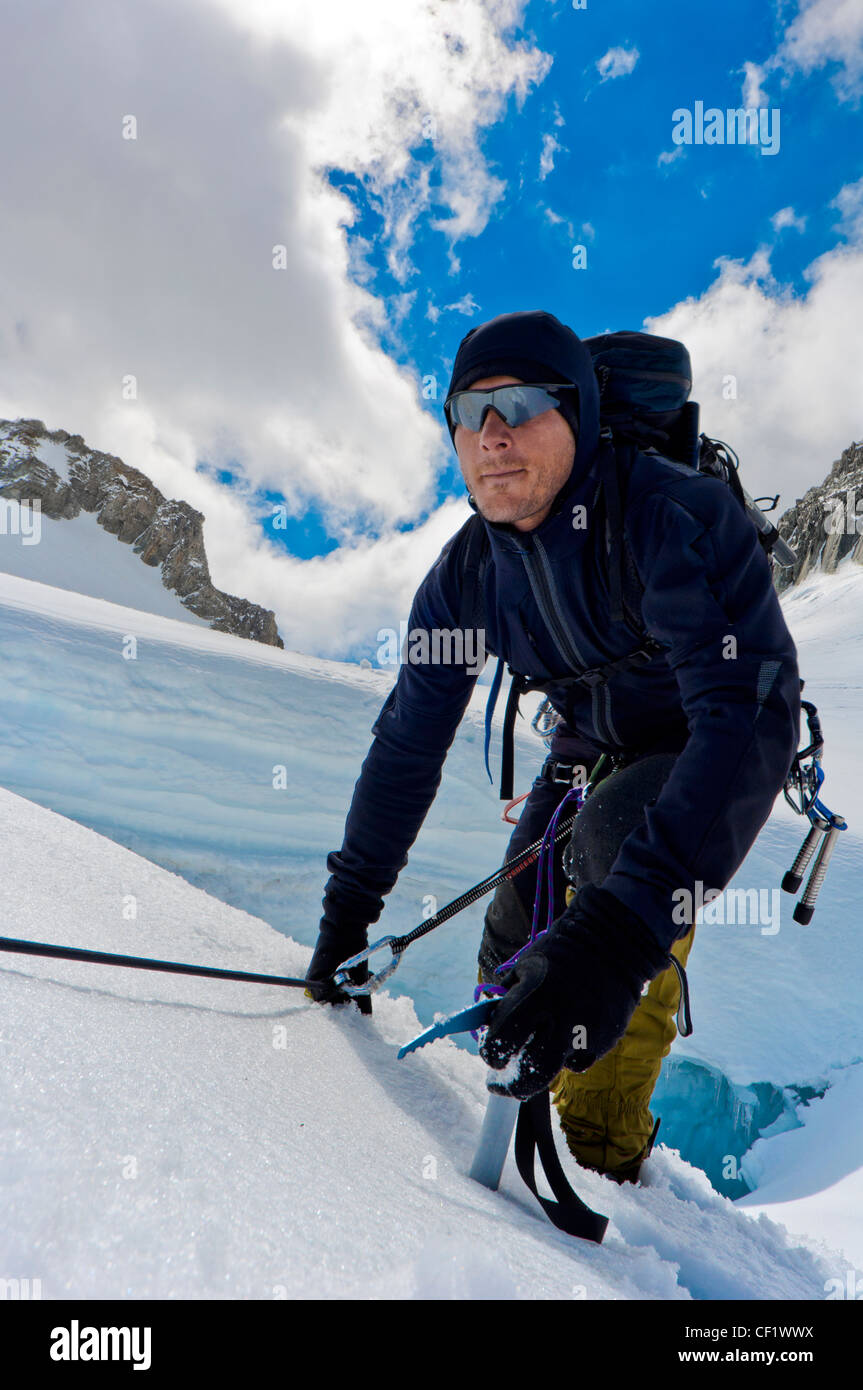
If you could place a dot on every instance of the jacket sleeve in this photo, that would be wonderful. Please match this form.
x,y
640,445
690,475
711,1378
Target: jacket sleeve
x,y
709,598
400,776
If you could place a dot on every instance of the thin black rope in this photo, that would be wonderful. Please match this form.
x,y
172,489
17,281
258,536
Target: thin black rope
x,y
510,869
400,943
40,948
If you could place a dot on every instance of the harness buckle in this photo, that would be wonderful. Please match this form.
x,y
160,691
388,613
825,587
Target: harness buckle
x,y
556,770
592,677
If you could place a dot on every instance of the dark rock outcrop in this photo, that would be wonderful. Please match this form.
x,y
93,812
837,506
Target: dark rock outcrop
x,y
822,526
163,532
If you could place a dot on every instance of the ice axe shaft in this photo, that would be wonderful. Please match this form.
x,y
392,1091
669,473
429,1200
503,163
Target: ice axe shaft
x,y
806,906
794,877
501,1114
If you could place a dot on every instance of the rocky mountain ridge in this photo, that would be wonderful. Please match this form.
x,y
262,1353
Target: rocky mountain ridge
x,y
826,524
163,531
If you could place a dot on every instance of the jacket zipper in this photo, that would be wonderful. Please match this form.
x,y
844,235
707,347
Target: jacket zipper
x,y
541,579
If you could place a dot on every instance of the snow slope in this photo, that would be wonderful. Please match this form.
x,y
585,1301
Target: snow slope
x,y
173,753
81,556
165,1137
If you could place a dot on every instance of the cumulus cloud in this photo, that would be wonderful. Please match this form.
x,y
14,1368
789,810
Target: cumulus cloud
x,y
821,32
778,373
195,293
617,62
827,31
335,605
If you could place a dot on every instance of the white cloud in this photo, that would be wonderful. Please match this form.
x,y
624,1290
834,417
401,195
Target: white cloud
x,y
617,62
827,31
753,91
669,156
822,32
849,204
795,360
566,224
550,145
337,603
466,305
153,257
392,75
786,217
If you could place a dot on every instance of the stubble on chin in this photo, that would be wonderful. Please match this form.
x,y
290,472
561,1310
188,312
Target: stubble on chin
x,y
499,508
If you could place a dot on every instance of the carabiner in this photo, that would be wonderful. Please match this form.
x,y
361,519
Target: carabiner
x,y
340,977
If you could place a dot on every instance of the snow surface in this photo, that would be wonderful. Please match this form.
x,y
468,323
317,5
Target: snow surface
x,y
79,555
56,457
812,1177
49,451
165,1137
172,754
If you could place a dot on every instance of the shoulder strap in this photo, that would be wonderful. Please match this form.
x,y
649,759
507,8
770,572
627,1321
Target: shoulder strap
x,y
610,481
625,588
475,551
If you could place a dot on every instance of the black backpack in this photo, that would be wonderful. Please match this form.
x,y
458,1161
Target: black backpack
x,y
644,385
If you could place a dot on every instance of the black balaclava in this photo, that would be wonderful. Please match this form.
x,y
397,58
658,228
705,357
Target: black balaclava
x,y
535,346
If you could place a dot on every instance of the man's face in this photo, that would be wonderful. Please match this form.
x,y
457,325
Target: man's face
x,y
514,473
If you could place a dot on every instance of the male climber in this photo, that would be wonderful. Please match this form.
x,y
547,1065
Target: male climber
x,y
699,739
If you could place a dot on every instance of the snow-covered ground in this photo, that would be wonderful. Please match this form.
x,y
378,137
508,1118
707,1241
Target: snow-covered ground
x,y
54,454
165,1137
81,556
174,752
176,746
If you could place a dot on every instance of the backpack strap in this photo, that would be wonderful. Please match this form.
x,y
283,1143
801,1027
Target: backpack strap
x,y
617,457
476,551
518,686
610,483
489,716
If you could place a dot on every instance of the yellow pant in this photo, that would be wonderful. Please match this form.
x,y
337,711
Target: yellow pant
x,y
604,1111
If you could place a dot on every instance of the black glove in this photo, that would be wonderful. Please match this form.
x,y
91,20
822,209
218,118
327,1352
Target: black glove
x,y
571,995
333,946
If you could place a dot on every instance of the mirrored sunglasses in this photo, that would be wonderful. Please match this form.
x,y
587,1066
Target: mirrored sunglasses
x,y
515,403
